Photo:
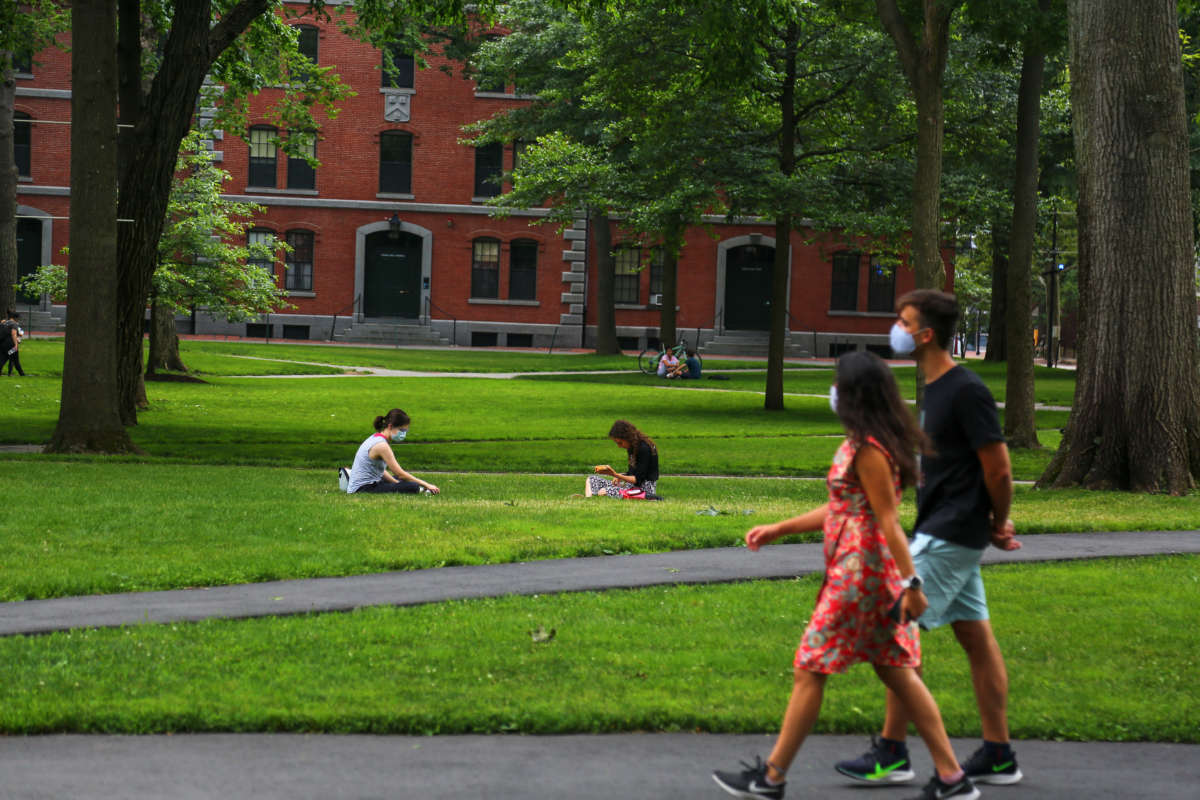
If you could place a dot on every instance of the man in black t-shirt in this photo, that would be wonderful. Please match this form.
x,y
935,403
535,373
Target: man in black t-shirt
x,y
963,501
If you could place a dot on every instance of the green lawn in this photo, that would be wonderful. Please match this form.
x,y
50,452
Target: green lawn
x,y
1080,666
134,526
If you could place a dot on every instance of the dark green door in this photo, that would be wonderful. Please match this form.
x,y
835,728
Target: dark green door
x,y
392,275
748,271
29,253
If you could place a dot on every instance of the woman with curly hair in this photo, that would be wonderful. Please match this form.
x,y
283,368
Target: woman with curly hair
x,y
643,464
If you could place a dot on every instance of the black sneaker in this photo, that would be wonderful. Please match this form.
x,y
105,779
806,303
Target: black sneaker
x,y
880,764
963,789
984,768
750,782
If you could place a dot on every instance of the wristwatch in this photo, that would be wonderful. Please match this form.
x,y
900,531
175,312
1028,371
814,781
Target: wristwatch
x,y
914,582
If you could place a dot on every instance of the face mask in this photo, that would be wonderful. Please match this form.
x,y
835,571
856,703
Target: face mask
x,y
398,436
833,398
902,341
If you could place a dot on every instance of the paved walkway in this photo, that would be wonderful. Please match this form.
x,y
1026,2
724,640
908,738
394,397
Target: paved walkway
x,y
533,577
673,766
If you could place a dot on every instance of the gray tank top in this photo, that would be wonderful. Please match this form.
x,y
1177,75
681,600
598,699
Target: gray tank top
x,y
366,470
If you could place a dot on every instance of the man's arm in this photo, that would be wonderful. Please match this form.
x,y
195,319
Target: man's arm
x,y
997,477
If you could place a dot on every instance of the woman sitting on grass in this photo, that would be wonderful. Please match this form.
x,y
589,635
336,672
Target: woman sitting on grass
x,y
374,459
643,464
868,606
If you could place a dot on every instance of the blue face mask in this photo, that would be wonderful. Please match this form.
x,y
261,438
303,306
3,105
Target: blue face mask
x,y
902,341
398,436
833,398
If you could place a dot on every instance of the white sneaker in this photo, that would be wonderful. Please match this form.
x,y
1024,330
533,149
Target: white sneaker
x,y
343,479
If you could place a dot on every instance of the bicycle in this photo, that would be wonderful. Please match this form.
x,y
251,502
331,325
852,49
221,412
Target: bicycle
x,y
648,359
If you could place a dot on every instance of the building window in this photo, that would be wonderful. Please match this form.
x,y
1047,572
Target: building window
x,y
23,143
656,270
519,147
263,238
489,164
844,295
881,289
627,262
489,83
395,162
306,42
22,63
299,261
485,268
262,156
402,73
522,269
300,173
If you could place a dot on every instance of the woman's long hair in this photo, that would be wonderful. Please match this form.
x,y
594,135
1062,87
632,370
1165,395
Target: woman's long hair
x,y
627,432
869,404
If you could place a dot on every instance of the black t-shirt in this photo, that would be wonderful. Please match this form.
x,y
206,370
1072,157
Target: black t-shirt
x,y
645,466
959,415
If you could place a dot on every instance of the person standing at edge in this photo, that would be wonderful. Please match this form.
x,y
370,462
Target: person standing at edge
x,y
963,501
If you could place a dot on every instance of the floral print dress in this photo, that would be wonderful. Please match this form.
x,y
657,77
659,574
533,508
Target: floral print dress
x,y
850,623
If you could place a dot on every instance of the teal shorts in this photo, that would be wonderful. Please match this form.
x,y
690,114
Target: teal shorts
x,y
950,579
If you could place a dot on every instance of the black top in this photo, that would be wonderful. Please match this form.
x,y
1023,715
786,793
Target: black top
x,y
959,415
643,467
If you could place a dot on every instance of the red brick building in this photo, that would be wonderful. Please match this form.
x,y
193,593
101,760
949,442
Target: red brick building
x,y
392,240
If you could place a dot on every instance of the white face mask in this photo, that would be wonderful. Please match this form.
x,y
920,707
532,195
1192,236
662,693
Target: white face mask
x,y
398,436
902,341
833,398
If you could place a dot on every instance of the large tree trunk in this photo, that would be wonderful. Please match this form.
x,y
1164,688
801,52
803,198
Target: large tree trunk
x,y
997,343
148,154
1020,427
8,185
924,62
606,312
89,415
773,396
1135,423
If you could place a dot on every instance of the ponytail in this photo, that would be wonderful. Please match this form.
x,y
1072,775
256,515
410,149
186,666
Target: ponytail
x,y
395,418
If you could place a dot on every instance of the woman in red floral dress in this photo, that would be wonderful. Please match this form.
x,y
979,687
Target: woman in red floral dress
x,y
869,601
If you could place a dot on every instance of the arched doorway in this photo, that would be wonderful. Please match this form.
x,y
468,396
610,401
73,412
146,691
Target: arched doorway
x,y
748,276
392,265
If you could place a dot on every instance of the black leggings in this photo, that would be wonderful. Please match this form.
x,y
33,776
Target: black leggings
x,y
14,360
383,486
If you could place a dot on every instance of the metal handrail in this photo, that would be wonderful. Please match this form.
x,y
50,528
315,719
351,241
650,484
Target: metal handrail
x,y
429,305
352,306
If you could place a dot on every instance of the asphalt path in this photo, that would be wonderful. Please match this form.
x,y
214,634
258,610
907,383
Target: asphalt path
x,y
579,767
716,565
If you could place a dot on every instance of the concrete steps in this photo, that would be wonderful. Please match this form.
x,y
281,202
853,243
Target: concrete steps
x,y
396,333
754,343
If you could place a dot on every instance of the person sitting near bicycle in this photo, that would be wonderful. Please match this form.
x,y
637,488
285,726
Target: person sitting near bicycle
x,y
668,364
643,465
688,368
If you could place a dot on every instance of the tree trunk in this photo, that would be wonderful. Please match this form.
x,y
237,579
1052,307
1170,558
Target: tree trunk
x,y
672,238
89,415
1020,427
924,63
1135,423
997,344
8,185
606,312
164,340
773,396
148,154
